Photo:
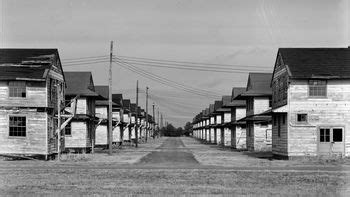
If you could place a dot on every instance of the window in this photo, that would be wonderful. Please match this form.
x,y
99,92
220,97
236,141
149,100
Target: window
x,y
317,88
68,129
17,88
337,135
17,126
301,117
284,119
274,120
324,135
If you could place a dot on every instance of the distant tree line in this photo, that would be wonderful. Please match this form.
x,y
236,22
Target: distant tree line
x,y
171,131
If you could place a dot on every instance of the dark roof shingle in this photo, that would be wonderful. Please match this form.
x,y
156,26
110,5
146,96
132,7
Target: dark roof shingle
x,y
317,62
26,64
80,83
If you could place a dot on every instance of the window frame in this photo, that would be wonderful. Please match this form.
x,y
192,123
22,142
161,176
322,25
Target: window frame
x,y
306,118
9,125
317,86
69,125
10,87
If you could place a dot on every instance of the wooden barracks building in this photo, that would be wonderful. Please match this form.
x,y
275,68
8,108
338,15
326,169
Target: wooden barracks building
x,y
29,79
310,103
305,102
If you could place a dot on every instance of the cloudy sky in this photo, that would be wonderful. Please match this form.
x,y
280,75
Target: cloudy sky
x,y
240,33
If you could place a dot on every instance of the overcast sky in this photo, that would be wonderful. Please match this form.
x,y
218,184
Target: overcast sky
x,y
235,32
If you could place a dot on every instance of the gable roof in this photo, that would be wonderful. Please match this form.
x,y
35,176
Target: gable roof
x,y
103,92
258,85
27,64
225,101
80,83
235,102
118,99
133,108
217,105
316,62
126,104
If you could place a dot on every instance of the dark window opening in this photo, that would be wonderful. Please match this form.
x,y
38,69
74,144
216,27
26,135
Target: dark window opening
x,y
324,135
68,129
17,126
284,119
337,135
302,117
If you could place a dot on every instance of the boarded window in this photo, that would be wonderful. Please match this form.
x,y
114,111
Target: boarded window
x,y
68,129
17,126
324,135
17,88
302,117
337,135
317,88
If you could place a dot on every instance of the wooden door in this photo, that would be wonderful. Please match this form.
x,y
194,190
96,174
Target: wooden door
x,y
331,141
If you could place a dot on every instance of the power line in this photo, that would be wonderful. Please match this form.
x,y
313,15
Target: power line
x,y
184,62
135,70
196,89
81,58
84,63
196,68
166,81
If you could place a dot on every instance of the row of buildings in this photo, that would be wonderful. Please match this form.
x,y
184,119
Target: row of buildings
x,y
302,108
34,89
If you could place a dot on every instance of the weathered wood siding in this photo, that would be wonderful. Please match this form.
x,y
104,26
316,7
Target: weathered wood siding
x,y
280,143
101,112
35,141
35,95
212,135
261,104
227,132
240,113
227,117
80,135
218,119
126,133
238,137
116,134
81,106
330,111
101,135
260,138
116,115
218,135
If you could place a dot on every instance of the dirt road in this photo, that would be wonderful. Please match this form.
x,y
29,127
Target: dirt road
x,y
172,153
174,166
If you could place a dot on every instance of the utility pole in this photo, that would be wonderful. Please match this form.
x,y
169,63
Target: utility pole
x,y
146,113
154,122
58,122
110,137
137,114
158,124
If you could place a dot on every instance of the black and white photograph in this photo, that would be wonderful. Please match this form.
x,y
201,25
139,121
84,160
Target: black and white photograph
x,y
175,98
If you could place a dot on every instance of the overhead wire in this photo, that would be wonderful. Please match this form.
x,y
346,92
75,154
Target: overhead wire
x,y
165,81
184,62
197,89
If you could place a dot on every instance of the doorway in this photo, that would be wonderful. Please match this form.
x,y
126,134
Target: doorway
x,y
331,140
